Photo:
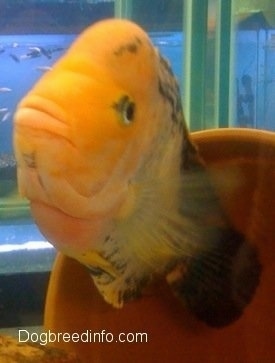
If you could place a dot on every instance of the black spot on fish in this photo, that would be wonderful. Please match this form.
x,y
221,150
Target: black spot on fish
x,y
96,271
120,266
102,277
108,256
131,47
29,160
130,294
134,287
107,238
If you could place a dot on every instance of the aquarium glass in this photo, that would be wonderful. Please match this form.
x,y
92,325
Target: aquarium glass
x,y
222,52
255,60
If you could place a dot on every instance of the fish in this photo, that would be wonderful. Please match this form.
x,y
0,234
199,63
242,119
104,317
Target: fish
x,y
43,68
56,49
114,180
46,52
5,89
5,116
35,49
15,57
33,52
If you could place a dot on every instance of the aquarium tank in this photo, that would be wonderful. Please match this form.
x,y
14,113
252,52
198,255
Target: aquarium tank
x,y
222,52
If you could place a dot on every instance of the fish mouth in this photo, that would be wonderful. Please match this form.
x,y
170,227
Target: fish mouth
x,y
33,114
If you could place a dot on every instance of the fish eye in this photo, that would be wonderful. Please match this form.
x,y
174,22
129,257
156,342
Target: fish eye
x,y
128,113
126,108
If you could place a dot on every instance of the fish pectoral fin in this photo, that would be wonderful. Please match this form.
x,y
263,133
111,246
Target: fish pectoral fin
x,y
218,283
118,291
97,264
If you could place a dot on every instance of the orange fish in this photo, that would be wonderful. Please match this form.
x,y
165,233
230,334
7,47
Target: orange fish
x,y
105,158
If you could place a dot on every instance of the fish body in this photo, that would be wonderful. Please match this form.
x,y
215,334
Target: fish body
x,y
14,57
43,68
5,89
5,116
114,181
35,52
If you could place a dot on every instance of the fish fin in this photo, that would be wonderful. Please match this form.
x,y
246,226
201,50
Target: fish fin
x,y
122,288
95,262
217,284
116,280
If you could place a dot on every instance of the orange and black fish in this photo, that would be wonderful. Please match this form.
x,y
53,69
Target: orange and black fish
x,y
114,181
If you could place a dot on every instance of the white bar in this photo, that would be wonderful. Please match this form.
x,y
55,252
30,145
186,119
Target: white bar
x,y
30,245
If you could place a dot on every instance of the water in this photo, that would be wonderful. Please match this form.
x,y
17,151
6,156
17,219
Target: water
x,y
23,58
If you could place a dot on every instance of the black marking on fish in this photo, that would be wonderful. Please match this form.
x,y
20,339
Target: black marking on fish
x,y
107,238
114,258
131,47
113,251
165,92
96,271
29,160
102,277
221,282
165,64
120,266
135,287
129,294
169,89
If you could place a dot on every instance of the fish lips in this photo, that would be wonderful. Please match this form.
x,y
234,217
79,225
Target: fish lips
x,y
45,160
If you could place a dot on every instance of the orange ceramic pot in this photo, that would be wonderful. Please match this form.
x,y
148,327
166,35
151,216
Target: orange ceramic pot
x,y
173,334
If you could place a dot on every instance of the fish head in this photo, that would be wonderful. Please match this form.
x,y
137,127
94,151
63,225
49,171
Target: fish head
x,y
82,131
